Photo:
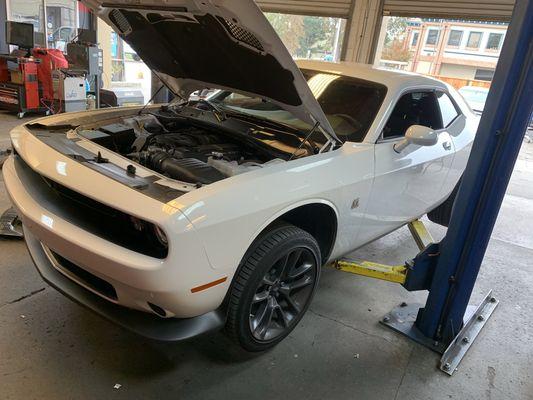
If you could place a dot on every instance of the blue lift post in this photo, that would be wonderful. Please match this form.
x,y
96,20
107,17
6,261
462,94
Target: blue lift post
x,y
449,269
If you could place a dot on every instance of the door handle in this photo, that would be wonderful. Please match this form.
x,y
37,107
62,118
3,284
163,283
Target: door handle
x,y
447,145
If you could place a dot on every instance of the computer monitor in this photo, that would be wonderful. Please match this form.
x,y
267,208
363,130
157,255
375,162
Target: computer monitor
x,y
87,36
20,34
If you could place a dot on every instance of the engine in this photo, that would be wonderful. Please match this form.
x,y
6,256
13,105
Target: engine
x,y
185,153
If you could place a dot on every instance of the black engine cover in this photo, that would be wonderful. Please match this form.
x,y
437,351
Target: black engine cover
x,y
185,169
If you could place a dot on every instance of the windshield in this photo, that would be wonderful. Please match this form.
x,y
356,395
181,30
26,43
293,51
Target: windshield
x,y
474,95
350,104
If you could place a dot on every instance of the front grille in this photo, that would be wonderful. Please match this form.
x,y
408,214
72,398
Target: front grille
x,y
99,219
92,281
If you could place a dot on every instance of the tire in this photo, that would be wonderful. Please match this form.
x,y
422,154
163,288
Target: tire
x,y
442,214
273,288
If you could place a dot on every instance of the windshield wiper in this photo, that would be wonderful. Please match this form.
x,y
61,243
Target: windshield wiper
x,y
219,113
265,121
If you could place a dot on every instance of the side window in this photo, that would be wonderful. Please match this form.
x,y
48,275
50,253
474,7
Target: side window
x,y
447,109
414,108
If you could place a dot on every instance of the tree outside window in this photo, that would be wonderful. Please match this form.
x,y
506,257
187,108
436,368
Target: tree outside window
x,y
395,47
308,36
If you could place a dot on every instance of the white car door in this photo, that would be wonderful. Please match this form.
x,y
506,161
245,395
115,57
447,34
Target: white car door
x,y
409,183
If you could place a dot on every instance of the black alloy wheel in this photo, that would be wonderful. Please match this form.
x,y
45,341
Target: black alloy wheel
x,y
282,294
273,287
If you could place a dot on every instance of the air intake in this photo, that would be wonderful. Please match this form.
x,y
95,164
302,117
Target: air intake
x,y
242,35
120,21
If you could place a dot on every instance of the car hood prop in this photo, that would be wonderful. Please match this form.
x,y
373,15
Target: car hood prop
x,y
220,44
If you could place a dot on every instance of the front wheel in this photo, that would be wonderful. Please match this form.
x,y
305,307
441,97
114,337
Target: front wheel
x,y
443,213
273,288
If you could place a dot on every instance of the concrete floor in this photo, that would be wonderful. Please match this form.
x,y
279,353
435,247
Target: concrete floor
x,y
51,348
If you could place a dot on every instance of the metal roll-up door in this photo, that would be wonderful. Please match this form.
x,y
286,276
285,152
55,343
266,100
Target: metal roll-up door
x,y
323,8
491,10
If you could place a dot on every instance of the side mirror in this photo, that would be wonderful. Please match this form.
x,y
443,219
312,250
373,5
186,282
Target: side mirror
x,y
417,134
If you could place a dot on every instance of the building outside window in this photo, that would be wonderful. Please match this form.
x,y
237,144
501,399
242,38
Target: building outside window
x,y
474,40
29,11
495,41
433,37
455,62
61,22
455,38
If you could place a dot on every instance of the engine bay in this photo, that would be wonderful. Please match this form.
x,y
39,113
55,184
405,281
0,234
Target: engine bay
x,y
193,153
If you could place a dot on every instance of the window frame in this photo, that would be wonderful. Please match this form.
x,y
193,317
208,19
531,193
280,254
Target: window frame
x,y
415,38
499,47
470,36
388,114
478,78
436,38
450,36
455,105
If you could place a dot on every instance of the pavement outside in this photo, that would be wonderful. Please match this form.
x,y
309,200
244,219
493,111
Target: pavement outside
x,y
51,348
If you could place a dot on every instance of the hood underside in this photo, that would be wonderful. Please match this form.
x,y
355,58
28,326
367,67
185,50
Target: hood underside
x,y
220,44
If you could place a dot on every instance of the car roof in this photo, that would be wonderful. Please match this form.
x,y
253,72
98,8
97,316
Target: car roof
x,y
394,80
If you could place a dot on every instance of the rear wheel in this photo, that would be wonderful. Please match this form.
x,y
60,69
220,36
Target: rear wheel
x,y
273,287
442,214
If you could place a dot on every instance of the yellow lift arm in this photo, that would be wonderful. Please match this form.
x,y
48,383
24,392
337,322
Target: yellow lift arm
x,y
391,273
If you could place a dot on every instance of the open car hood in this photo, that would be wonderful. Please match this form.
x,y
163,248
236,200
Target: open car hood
x,y
223,44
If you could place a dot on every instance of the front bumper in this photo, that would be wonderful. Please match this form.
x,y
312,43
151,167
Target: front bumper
x,y
142,323
138,280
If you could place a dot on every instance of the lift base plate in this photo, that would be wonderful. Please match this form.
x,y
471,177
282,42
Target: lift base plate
x,y
464,339
402,320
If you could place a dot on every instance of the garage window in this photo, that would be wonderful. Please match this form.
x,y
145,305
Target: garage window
x,y
415,108
309,37
447,109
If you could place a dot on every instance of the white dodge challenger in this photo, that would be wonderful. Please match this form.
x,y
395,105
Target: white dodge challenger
x,y
180,219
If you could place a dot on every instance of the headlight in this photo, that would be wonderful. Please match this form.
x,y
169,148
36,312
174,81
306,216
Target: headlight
x,y
161,236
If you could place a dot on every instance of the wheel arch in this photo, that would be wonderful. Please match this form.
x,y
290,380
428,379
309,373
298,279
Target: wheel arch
x,y
318,217
296,215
